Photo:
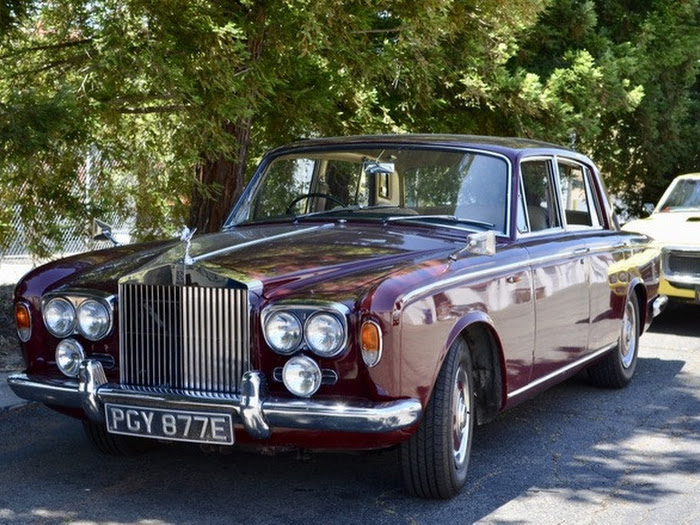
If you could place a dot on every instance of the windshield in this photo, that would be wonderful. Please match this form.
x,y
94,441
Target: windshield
x,y
684,195
388,183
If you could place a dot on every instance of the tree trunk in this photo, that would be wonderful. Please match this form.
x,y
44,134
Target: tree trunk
x,y
226,176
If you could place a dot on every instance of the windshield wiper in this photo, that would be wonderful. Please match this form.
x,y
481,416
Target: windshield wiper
x,y
451,218
346,209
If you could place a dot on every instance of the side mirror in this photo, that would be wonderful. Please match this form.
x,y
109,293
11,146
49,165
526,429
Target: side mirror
x,y
648,208
482,243
101,231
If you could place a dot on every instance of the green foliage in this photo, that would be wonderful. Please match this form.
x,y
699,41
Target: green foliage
x,y
641,120
169,98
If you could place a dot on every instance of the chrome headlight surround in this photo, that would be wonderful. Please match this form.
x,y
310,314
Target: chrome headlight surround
x,y
283,331
324,327
89,313
325,334
59,316
69,355
302,376
94,319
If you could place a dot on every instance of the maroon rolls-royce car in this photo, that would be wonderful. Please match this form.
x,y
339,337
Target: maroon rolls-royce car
x,y
365,293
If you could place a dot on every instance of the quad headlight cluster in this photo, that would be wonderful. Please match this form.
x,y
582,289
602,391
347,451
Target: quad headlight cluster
x,y
65,316
290,330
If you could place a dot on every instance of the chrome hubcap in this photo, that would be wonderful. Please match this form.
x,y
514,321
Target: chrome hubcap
x,y
628,337
461,417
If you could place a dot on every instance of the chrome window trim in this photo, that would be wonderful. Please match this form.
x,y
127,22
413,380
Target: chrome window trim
x,y
587,188
234,219
554,180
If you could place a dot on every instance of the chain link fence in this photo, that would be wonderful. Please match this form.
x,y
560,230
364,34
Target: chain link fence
x,y
15,256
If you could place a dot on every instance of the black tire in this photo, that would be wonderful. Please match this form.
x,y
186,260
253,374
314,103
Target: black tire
x,y
434,460
616,369
114,444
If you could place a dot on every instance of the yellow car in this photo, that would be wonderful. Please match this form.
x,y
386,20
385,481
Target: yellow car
x,y
675,225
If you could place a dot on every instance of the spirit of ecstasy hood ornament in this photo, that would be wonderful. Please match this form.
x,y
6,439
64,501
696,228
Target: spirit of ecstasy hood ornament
x,y
186,237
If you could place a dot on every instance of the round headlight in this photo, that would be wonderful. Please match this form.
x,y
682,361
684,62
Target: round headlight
x,y
93,319
302,376
59,317
69,355
283,332
325,334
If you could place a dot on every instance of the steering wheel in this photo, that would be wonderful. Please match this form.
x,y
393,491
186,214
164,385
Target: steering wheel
x,y
288,211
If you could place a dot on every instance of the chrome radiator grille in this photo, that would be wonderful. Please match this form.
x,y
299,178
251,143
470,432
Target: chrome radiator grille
x,y
183,337
683,263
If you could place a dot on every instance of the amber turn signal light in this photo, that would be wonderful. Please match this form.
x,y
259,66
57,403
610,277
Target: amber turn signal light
x,y
23,321
371,343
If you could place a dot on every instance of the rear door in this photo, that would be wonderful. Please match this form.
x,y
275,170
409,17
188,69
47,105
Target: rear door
x,y
560,266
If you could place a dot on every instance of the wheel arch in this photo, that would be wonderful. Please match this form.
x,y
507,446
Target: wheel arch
x,y
488,365
640,291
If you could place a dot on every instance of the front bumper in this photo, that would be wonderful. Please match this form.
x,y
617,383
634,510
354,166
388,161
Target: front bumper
x,y
253,408
680,291
680,273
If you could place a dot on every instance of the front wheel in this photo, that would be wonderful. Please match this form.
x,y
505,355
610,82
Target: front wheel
x,y
616,369
434,460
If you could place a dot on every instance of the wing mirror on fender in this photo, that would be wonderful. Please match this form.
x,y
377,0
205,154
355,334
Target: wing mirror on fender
x,y
101,231
482,243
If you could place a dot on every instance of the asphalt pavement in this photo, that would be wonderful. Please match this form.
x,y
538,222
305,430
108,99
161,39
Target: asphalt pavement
x,y
573,455
8,400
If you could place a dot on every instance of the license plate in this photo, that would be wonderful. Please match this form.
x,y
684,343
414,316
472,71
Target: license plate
x,y
177,425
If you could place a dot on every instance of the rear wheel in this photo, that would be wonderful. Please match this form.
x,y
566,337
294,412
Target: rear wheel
x,y
434,460
617,368
114,444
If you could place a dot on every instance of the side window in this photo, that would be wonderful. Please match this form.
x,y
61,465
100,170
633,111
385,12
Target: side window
x,y
540,200
579,207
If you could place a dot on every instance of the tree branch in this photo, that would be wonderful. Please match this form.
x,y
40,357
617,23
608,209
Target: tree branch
x,y
152,109
60,45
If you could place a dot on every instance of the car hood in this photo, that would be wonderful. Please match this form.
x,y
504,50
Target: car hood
x,y
677,228
280,259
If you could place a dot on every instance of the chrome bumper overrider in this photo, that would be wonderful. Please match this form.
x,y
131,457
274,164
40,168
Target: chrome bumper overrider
x,y
258,412
658,305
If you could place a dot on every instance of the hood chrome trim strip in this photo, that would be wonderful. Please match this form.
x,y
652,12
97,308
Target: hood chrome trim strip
x,y
235,247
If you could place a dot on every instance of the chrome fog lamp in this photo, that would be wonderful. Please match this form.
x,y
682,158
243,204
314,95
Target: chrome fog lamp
x,y
302,376
94,319
59,317
69,355
325,334
283,332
